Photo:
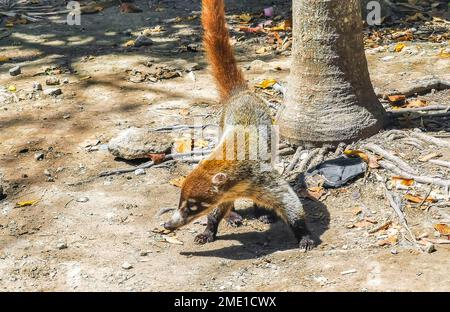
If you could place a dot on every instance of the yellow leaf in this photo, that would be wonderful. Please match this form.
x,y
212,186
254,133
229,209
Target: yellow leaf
x,y
357,153
245,17
12,88
399,47
201,143
391,240
282,26
182,145
26,203
9,24
129,43
416,103
261,50
444,54
178,182
265,84
4,59
397,99
442,228
403,181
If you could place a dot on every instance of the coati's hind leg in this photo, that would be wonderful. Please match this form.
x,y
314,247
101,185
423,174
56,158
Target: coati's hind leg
x,y
279,196
214,218
233,218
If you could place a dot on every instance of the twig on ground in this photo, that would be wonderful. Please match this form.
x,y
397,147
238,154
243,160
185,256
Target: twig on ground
x,y
389,156
425,198
430,139
400,111
180,127
439,162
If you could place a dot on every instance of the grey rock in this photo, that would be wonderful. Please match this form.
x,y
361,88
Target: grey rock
x,y
39,156
142,40
139,171
429,248
15,71
52,81
135,143
126,266
61,245
53,91
37,86
83,199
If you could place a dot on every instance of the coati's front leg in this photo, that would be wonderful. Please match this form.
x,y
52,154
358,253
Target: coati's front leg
x,y
214,218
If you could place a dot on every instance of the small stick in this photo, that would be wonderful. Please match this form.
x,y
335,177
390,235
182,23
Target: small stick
x,y
425,198
295,159
420,109
387,155
179,127
383,225
121,171
431,139
422,179
438,162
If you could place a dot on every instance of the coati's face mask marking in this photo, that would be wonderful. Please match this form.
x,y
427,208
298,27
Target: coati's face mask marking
x,y
198,197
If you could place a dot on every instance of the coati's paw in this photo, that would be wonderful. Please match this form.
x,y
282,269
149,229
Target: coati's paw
x,y
306,243
267,219
204,238
234,219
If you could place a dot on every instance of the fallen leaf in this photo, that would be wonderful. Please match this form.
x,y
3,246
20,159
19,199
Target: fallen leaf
x,y
363,224
256,29
313,193
182,145
85,78
245,17
397,100
26,203
265,84
178,182
357,153
429,156
173,240
4,59
442,228
129,43
403,181
416,103
200,143
261,50
373,161
399,47
356,210
129,8
283,26
157,158
91,9
12,88
160,230
391,240
444,54
192,17
418,199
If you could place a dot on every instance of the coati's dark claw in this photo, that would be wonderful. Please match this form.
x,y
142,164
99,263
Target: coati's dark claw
x,y
234,219
306,243
204,238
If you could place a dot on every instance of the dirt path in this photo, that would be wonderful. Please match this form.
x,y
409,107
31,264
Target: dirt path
x,y
64,242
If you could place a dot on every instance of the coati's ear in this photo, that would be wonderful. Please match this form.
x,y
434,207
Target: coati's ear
x,y
219,179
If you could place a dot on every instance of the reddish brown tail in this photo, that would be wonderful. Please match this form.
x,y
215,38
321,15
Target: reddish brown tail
x,y
218,49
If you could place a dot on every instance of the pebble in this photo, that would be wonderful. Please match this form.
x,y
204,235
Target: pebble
x,y
387,58
82,199
61,245
65,80
142,40
52,81
348,272
394,251
126,266
139,171
37,86
39,156
15,71
430,248
47,173
53,91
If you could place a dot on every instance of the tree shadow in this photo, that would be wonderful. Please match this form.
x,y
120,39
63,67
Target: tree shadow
x,y
279,237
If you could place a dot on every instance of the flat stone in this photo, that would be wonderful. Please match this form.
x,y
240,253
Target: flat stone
x,y
15,71
52,81
142,40
136,143
53,91
37,86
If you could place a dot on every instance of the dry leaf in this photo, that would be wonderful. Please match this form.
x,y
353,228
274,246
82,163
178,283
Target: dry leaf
x,y
416,103
173,240
129,8
403,181
182,145
200,143
91,9
161,230
265,84
429,156
444,54
12,88
373,161
245,17
313,193
399,47
261,50
157,158
418,199
363,224
397,100
357,153
129,43
26,203
442,228
178,182
391,240
256,29
4,59
285,25
85,78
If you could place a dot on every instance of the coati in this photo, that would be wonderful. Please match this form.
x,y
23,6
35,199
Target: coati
x,y
217,181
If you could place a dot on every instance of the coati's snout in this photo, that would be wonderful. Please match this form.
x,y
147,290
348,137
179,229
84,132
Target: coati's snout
x,y
192,206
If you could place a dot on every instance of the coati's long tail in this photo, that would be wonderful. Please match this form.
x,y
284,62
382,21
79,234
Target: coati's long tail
x,y
218,49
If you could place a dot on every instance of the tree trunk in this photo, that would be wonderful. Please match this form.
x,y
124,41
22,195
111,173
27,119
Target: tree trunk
x,y
330,98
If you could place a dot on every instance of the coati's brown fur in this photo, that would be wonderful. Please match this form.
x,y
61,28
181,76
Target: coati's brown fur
x,y
216,182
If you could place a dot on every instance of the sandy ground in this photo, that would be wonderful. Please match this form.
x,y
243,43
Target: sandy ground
x,y
115,225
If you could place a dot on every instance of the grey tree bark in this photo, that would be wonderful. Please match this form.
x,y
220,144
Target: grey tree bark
x,y
330,98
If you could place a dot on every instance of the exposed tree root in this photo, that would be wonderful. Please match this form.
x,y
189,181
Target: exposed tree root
x,y
387,155
430,139
439,162
295,160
